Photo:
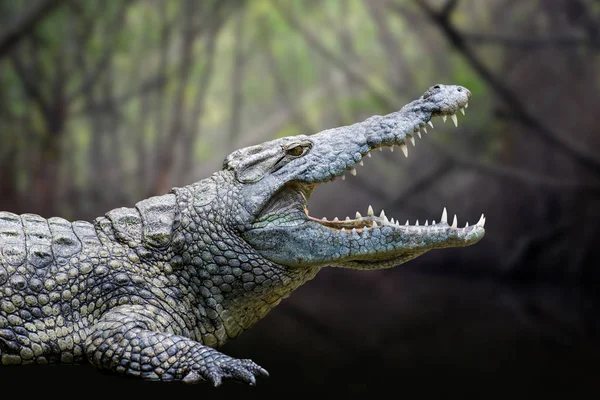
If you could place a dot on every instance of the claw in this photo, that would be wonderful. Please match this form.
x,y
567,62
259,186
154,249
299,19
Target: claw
x,y
192,377
215,379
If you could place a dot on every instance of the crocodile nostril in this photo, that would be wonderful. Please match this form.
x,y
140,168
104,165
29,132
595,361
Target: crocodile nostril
x,y
460,89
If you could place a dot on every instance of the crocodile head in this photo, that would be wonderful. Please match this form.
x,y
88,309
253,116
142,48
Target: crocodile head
x,y
276,178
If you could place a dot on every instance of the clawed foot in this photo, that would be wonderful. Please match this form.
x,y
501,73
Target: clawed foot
x,y
222,366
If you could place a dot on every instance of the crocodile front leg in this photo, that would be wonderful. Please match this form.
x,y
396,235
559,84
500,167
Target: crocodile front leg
x,y
139,341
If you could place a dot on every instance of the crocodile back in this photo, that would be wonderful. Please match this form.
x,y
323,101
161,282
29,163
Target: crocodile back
x,y
32,246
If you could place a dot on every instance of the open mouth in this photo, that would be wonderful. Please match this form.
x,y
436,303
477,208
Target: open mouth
x,y
286,233
370,221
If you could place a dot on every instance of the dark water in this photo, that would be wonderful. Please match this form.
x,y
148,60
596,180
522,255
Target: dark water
x,y
390,333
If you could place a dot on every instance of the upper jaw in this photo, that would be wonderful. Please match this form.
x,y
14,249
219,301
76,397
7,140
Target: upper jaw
x,y
345,147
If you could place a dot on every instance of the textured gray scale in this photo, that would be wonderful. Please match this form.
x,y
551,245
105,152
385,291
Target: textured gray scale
x,y
64,241
159,216
39,242
205,193
86,233
12,239
127,224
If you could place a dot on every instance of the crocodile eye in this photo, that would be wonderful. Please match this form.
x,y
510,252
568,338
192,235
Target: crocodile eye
x,y
296,151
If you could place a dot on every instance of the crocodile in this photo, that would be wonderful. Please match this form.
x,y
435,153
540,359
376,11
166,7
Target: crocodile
x,y
153,290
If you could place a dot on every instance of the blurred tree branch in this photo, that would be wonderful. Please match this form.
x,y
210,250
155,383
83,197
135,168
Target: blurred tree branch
x,y
442,20
353,72
237,78
192,133
419,185
167,144
14,33
400,74
527,42
278,77
213,16
514,173
32,90
92,76
145,87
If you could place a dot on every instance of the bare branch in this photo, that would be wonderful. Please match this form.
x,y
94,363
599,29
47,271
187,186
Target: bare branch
x,y
527,42
310,38
448,8
22,26
148,86
237,78
275,72
401,75
522,176
521,251
575,150
92,76
192,132
419,185
32,91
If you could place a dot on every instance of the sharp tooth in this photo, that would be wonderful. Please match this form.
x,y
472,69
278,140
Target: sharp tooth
x,y
358,215
324,219
433,222
462,110
369,155
419,133
455,222
392,148
406,223
444,118
343,177
375,224
417,223
454,119
336,219
424,129
353,171
404,150
397,223
412,140
467,225
444,216
361,163
353,230
347,218
426,222
392,221
370,211
467,105
430,124
382,214
343,229
365,229
481,221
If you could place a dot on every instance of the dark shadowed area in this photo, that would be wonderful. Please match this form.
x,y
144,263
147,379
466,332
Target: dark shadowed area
x,y
103,104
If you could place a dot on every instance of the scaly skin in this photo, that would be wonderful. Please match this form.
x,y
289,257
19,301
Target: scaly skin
x,y
150,291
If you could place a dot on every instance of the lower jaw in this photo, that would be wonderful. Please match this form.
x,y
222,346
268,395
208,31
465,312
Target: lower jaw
x,y
378,264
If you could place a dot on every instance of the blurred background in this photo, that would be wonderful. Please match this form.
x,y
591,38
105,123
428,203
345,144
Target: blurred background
x,y
104,103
